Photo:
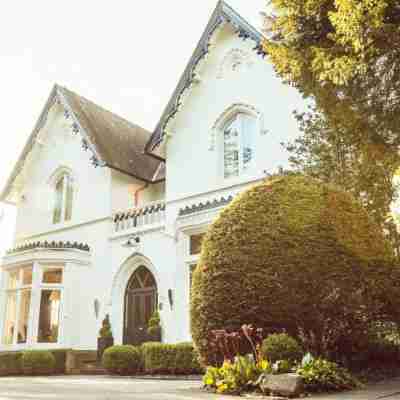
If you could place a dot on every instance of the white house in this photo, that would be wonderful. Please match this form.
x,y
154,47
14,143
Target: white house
x,y
110,216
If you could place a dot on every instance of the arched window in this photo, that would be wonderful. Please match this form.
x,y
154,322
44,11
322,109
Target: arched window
x,y
239,134
64,191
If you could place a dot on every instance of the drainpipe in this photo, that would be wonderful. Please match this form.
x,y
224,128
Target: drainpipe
x,y
137,192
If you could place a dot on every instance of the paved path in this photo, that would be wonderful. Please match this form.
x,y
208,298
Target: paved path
x,y
106,388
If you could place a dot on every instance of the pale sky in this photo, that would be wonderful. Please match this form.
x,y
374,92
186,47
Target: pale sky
x,y
127,56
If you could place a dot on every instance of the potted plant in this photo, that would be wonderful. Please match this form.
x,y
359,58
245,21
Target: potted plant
x,y
154,328
105,339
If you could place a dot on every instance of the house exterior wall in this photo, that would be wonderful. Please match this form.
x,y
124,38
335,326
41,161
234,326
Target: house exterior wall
x,y
194,169
232,74
59,147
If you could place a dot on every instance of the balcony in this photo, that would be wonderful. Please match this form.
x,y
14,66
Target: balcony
x,y
141,218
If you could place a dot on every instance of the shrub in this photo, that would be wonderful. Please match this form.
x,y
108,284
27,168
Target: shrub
x,y
60,356
38,362
162,358
235,377
294,255
122,360
105,330
154,324
11,363
323,376
280,346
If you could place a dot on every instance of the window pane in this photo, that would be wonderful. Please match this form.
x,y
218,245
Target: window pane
x,y
27,276
52,275
195,243
69,198
13,279
24,306
10,318
49,317
58,201
248,135
231,149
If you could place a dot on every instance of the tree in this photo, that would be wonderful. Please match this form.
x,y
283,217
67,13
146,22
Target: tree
x,y
296,255
345,55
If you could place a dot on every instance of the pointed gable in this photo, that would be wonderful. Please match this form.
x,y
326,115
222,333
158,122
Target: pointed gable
x,y
223,13
114,142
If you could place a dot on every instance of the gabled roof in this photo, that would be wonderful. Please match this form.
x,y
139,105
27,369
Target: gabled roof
x,y
222,13
113,141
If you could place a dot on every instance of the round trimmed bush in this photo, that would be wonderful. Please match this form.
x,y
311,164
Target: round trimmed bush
x,y
293,254
280,346
38,362
122,360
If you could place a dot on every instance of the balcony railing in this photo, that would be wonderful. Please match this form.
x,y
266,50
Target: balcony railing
x,y
150,214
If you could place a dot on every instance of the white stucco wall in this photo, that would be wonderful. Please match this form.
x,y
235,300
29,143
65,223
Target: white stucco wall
x,y
194,169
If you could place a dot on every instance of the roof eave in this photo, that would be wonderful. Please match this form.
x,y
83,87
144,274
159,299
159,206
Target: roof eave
x,y
222,13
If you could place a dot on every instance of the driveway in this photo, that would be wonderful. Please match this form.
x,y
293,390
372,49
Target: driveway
x,y
106,388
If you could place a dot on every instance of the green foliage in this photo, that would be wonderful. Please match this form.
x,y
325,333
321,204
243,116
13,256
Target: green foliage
x,y
60,356
154,324
122,360
324,376
38,361
11,363
178,358
296,255
280,346
343,55
236,377
105,330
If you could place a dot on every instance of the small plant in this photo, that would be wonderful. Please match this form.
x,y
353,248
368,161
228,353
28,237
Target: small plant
x,y
280,346
154,324
320,375
105,331
236,377
229,345
37,362
122,360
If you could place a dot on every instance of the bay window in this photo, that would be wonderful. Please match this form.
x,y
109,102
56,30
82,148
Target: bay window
x,y
38,290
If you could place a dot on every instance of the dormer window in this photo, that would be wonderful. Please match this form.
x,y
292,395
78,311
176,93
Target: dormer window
x,y
238,144
63,198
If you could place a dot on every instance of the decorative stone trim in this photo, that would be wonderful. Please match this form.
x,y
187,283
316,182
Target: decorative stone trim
x,y
209,205
49,245
223,14
137,212
233,61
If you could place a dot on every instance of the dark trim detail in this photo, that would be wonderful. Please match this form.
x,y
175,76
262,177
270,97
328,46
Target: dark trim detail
x,y
209,205
49,245
222,13
138,212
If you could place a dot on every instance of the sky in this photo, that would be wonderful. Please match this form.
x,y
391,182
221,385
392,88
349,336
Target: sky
x,y
126,56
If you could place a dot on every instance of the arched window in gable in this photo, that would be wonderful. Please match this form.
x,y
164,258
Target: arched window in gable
x,y
63,195
239,133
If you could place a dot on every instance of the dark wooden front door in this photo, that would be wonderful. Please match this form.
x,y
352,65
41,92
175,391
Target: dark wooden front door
x,y
140,304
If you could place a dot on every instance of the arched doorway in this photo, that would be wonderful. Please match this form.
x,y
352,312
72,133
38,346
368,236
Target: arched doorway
x,y
140,304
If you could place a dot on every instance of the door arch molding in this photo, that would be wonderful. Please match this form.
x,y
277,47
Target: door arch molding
x,y
118,289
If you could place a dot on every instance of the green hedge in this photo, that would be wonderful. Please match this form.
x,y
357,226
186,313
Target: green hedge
x,y
10,363
179,359
122,360
288,255
38,362
281,346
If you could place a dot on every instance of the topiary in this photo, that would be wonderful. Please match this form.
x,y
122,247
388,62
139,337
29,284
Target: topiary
x,y
153,326
122,360
293,254
280,346
38,362
105,330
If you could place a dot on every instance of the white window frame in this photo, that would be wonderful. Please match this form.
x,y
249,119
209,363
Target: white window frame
x,y
36,288
217,138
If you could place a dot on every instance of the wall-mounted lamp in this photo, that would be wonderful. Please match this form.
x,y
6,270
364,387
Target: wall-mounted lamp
x,y
132,241
96,305
170,298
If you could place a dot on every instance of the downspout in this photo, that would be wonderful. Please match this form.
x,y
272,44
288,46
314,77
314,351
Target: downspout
x,y
137,192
